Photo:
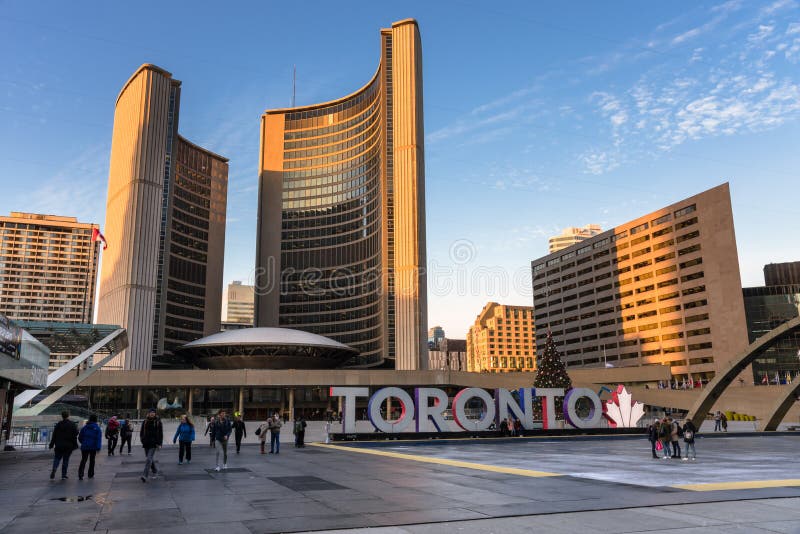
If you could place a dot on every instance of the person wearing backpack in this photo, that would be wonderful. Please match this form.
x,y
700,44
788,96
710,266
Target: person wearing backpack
x,y
64,441
675,435
126,433
91,438
689,433
184,435
112,433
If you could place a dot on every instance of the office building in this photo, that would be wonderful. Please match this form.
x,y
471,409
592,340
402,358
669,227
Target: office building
x,y
571,236
663,289
450,355
768,307
782,274
237,304
341,221
48,268
502,340
435,337
161,277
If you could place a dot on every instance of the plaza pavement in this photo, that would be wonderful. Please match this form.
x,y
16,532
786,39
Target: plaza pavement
x,y
521,485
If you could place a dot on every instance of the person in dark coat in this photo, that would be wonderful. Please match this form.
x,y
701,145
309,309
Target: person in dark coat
x,y
91,438
239,431
64,441
126,433
152,437
652,435
222,431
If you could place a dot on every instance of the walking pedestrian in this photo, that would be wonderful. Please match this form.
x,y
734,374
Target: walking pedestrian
x,y
664,435
91,438
239,430
652,436
63,441
262,435
676,432
112,434
275,425
184,434
689,433
126,433
152,437
300,432
221,432
724,420
210,431
717,421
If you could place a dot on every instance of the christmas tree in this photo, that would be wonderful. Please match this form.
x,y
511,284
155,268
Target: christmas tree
x,y
551,371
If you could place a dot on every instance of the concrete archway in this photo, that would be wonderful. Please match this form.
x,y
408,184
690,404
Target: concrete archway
x,y
781,407
726,375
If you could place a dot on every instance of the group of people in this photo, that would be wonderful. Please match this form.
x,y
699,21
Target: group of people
x,y
509,427
720,422
66,438
665,437
119,429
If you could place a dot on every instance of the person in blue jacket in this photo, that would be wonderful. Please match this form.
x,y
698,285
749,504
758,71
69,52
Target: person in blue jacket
x,y
184,435
91,438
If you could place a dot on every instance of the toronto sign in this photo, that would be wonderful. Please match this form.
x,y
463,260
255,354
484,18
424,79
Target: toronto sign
x,y
430,404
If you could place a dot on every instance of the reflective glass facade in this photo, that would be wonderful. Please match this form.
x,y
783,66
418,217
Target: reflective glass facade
x,y
767,308
328,185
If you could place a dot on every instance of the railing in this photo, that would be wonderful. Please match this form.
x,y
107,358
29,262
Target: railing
x,y
29,437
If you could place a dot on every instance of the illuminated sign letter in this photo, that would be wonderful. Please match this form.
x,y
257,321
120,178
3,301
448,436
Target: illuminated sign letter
x,y
595,412
349,409
460,402
548,396
522,411
436,412
406,415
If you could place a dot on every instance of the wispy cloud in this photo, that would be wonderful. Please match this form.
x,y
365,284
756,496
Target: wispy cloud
x,y
78,189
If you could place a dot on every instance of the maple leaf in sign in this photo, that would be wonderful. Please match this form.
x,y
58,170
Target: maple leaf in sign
x,y
621,410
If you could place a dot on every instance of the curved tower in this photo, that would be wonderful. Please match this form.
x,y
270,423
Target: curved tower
x,y
341,219
161,275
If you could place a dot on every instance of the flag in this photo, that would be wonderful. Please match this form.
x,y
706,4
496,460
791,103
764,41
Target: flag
x,y
97,236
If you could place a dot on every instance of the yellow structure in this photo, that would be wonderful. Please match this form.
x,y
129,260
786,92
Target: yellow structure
x,y
48,268
570,236
237,303
502,340
663,289
161,277
341,220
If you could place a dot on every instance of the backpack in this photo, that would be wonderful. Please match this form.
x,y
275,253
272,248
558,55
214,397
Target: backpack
x,y
688,435
680,430
298,426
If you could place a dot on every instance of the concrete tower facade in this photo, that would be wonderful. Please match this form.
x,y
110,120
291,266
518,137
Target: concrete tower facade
x,y
161,275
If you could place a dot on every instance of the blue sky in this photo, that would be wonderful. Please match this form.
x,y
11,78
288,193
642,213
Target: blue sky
x,y
538,116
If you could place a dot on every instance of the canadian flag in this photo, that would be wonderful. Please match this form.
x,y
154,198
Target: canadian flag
x,y
97,236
